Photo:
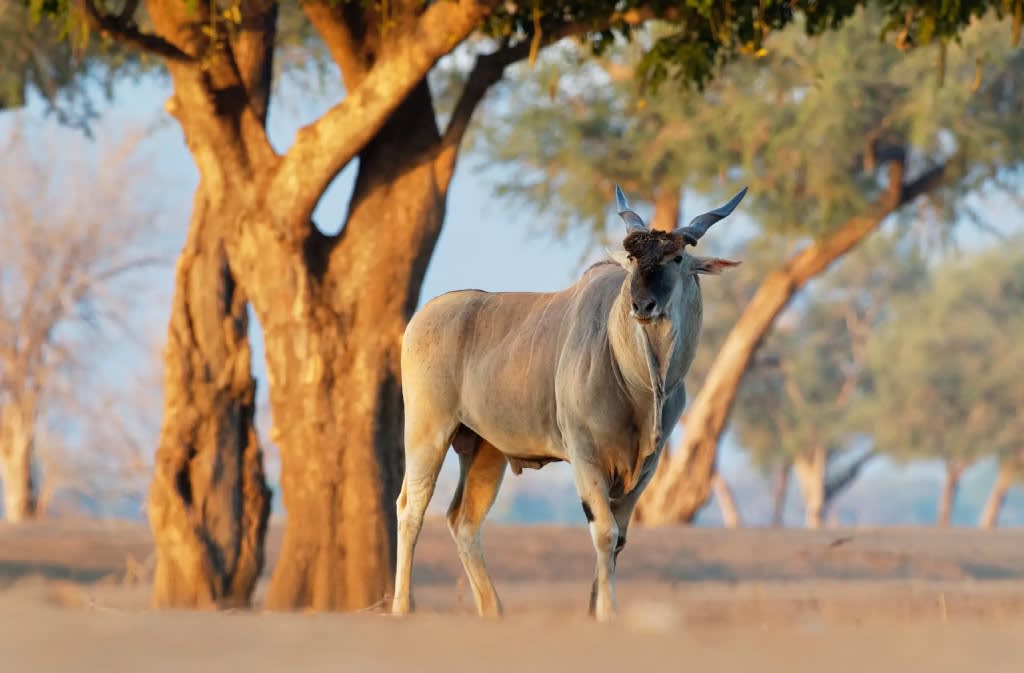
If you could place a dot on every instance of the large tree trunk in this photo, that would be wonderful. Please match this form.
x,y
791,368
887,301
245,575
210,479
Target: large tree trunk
x,y
16,439
809,469
677,492
780,489
947,498
727,503
208,501
994,505
334,372
332,309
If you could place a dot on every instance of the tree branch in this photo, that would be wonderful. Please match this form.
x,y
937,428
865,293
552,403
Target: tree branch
x,y
924,183
488,69
122,28
342,33
837,483
253,51
322,149
792,388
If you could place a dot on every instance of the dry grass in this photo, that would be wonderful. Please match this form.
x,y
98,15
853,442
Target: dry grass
x,y
765,600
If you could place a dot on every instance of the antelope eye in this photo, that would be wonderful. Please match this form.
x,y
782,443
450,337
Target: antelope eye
x,y
678,259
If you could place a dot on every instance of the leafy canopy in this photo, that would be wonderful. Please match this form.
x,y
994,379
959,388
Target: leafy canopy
x,y
945,371
700,35
36,58
810,126
813,363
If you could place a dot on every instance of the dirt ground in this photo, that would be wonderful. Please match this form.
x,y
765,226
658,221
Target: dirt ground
x,y
73,597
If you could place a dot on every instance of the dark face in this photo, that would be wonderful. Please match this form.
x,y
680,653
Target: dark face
x,y
657,264
657,259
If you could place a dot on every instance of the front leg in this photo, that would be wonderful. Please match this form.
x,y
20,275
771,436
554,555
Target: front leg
x,y
592,485
622,512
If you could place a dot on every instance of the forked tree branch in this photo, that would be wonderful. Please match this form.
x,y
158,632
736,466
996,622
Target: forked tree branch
x,y
122,28
322,149
488,69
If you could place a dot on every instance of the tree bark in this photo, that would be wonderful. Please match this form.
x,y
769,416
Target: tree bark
x,y
333,361
779,491
947,497
809,469
666,206
994,504
208,501
1009,470
683,487
727,503
17,432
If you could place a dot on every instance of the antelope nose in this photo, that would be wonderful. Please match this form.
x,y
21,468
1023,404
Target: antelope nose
x,y
647,308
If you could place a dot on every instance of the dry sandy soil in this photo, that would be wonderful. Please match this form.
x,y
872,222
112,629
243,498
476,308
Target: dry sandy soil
x,y
760,600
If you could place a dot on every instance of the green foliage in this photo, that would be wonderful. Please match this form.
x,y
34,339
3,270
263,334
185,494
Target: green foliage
x,y
45,47
42,52
808,125
945,371
703,34
812,366
698,37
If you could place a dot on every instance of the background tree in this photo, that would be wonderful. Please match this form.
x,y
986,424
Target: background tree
x,y
892,135
795,410
944,371
68,238
95,449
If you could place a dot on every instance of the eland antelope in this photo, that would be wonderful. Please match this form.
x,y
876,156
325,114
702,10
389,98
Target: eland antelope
x,y
591,375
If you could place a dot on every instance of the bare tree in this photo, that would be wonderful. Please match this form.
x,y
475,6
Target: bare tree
x,y
70,235
103,462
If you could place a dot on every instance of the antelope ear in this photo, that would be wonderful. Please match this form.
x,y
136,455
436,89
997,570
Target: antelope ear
x,y
621,257
713,265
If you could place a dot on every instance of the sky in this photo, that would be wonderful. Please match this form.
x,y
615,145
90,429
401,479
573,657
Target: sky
x,y
477,225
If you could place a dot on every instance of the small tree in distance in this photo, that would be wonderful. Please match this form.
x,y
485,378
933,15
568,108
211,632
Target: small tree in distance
x,y
944,372
794,410
69,239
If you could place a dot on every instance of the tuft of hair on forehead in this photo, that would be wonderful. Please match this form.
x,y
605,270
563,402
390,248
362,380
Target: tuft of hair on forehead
x,y
648,248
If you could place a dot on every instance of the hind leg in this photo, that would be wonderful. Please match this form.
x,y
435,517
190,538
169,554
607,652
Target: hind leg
x,y
426,444
482,469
